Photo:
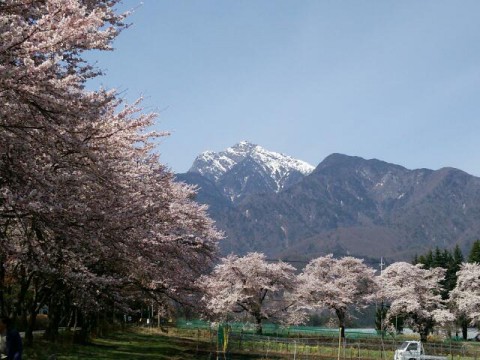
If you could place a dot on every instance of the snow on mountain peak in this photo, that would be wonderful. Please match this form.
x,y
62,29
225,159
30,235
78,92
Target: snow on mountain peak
x,y
244,146
278,166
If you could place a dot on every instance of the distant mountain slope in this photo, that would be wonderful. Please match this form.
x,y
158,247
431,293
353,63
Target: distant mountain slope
x,y
346,205
208,193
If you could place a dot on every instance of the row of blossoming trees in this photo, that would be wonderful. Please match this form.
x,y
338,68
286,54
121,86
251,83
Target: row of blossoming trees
x,y
90,221
252,287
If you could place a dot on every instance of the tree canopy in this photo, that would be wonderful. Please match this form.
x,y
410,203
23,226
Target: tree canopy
x,y
466,295
337,285
414,294
89,217
251,286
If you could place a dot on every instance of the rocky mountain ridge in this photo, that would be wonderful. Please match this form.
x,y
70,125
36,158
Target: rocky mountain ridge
x,y
247,168
346,205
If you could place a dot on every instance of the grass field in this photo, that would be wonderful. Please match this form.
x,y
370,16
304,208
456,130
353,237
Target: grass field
x,y
131,345
144,343
118,346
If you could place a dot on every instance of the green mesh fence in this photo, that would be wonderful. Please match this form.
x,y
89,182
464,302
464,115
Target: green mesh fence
x,y
281,331
308,342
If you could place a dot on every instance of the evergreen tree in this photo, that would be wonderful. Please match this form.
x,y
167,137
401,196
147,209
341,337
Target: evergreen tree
x,y
451,281
415,260
426,260
458,255
447,256
451,262
438,259
474,255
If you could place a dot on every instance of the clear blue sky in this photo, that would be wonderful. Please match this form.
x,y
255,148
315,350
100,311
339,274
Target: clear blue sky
x,y
393,80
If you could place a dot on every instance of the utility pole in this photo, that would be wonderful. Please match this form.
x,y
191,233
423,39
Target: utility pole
x,y
381,308
381,304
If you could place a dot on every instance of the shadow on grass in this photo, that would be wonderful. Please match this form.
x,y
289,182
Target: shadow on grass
x,y
130,345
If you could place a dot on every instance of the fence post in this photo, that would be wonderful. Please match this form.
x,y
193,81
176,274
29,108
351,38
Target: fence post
x,y
198,340
339,342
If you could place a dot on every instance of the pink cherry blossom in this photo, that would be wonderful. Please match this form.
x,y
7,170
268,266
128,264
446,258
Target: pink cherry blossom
x,y
414,293
337,285
250,287
90,220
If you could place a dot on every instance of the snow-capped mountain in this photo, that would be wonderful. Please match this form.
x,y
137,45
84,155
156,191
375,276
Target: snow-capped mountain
x,y
346,205
247,168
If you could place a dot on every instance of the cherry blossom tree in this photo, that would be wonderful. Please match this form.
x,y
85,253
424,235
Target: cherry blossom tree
x,y
337,285
89,218
415,294
251,286
466,295
45,115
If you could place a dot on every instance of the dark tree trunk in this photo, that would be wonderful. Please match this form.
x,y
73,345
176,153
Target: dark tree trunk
x,y
87,323
424,335
2,284
341,321
31,326
259,330
51,332
464,329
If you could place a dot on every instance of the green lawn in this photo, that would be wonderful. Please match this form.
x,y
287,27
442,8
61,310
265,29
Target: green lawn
x,y
120,346
131,344
142,343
